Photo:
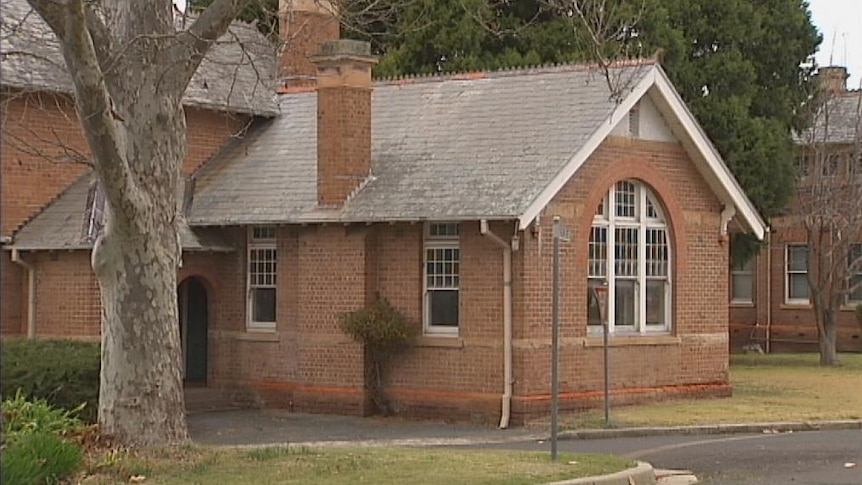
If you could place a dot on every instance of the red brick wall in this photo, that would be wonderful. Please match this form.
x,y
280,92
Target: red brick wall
x,y
307,364
67,295
12,283
207,132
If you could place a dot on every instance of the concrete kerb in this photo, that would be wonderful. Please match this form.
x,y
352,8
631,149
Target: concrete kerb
x,y
775,427
642,474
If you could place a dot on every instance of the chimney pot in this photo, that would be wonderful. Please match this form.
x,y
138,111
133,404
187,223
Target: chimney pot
x,y
833,78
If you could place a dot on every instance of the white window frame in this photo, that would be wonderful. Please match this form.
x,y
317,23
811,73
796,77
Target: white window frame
x,y
436,241
788,272
96,215
258,242
642,222
748,269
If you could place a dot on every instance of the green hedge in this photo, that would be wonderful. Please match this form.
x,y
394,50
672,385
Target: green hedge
x,y
63,372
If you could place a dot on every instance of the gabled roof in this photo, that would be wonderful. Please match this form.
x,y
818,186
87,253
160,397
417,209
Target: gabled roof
x,y
61,225
487,146
236,75
838,121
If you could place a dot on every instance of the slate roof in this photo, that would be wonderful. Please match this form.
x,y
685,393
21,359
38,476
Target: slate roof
x,y
838,122
236,75
445,148
61,225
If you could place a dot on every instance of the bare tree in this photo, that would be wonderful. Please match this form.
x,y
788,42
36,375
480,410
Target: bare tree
x,y
829,207
130,67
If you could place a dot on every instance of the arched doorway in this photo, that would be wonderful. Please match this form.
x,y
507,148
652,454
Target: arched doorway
x,y
193,313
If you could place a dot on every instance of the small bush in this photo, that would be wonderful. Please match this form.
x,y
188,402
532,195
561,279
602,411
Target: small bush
x,y
381,327
64,373
39,458
21,417
384,331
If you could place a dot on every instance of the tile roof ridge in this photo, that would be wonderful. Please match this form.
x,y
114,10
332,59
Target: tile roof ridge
x,y
549,68
86,175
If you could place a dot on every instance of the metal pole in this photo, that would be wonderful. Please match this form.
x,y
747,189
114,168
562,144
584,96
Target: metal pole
x,y
555,335
607,379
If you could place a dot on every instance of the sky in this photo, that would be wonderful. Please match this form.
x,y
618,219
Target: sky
x,y
840,23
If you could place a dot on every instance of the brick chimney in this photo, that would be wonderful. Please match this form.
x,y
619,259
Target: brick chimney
x,y
343,119
833,79
303,26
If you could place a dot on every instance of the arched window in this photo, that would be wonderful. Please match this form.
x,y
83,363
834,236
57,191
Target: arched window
x,y
629,251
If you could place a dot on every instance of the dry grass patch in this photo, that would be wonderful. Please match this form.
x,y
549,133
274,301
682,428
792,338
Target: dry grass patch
x,y
335,466
776,387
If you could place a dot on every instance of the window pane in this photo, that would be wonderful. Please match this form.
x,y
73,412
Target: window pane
x,y
798,286
797,258
625,303
655,302
625,199
263,304
626,251
656,252
593,315
443,230
856,295
443,307
598,251
741,288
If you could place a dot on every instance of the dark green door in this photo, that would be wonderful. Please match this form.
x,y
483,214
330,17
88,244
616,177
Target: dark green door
x,y
193,329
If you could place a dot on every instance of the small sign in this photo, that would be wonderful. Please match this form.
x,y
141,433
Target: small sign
x,y
561,232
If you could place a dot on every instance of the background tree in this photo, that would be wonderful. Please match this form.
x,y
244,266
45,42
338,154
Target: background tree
x,y
130,67
829,207
740,65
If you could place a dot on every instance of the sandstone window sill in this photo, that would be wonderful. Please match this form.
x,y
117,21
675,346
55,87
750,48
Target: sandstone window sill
x,y
632,340
795,306
452,342
741,304
257,336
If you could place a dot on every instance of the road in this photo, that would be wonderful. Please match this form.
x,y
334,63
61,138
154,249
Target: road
x,y
810,458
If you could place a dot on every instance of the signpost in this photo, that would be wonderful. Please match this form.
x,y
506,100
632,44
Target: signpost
x,y
561,233
602,297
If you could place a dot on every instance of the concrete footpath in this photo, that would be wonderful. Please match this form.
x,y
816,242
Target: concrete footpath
x,y
252,428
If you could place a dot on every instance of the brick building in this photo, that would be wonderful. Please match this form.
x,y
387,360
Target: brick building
x,y
437,194
769,296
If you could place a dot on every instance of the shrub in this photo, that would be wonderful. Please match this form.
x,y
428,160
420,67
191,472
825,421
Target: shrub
x,y
859,314
63,372
384,331
39,458
22,417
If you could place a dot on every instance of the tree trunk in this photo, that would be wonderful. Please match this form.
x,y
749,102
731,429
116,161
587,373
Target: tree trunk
x,y
827,337
141,398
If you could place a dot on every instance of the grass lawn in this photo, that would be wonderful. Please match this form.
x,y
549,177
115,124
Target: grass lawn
x,y
299,465
775,387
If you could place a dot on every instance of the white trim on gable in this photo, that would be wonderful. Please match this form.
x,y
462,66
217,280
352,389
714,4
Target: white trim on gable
x,y
592,143
685,127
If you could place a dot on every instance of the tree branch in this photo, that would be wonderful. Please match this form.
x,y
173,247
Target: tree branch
x,y
104,133
194,42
